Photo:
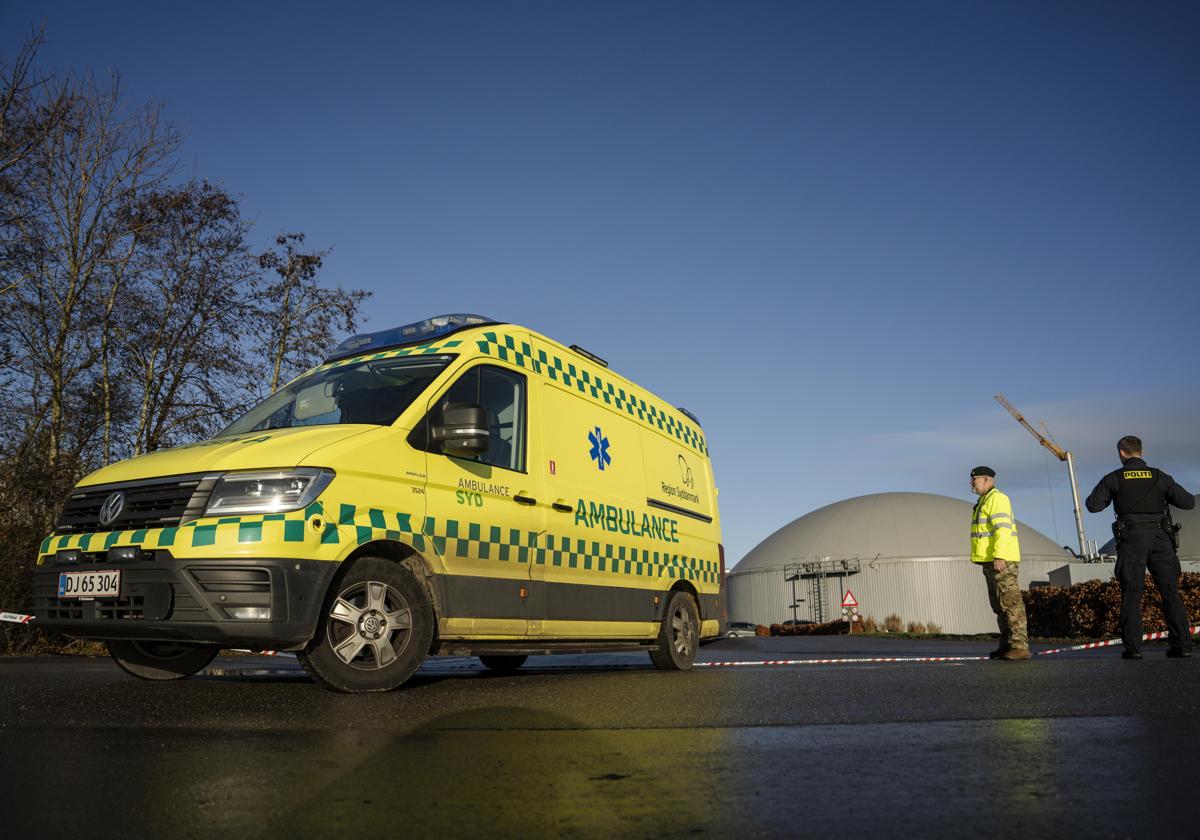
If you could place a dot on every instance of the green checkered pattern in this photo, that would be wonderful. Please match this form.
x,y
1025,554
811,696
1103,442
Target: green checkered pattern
x,y
269,527
272,527
455,538
357,525
428,349
588,382
615,559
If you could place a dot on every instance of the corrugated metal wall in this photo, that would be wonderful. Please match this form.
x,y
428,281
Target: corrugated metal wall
x,y
948,592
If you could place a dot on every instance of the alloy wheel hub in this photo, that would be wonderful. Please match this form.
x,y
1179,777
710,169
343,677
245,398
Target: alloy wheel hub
x,y
372,625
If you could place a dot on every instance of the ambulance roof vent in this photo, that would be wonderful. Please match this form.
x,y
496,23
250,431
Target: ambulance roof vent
x,y
438,326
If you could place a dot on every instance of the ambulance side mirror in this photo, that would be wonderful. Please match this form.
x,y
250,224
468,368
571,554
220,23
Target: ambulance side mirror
x,y
463,432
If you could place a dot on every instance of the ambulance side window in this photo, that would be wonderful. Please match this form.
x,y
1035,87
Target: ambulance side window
x,y
502,394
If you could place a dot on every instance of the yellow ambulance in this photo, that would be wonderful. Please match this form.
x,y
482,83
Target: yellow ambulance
x,y
453,486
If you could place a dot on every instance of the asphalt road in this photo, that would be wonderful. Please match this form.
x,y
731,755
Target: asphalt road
x,y
1070,745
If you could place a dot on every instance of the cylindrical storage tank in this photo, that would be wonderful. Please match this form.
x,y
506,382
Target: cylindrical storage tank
x,y
913,552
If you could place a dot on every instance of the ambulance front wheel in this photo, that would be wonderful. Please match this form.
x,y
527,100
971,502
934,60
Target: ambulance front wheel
x,y
679,635
160,660
375,629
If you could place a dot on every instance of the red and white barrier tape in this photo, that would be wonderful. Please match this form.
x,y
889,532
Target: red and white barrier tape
x,y
19,618
262,652
863,660
1146,637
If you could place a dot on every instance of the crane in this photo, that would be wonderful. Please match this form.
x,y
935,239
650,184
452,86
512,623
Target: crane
x,y
1062,455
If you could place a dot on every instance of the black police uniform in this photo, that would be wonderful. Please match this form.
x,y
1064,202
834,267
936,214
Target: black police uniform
x,y
1140,495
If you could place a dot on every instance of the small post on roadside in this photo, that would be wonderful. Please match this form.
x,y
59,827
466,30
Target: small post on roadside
x,y
850,611
793,577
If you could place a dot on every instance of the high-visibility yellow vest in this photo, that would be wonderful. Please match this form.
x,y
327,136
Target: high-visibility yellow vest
x,y
994,529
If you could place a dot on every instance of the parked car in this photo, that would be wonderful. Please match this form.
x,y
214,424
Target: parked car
x,y
738,629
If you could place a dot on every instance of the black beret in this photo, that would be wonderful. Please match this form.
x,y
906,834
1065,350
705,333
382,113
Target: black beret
x,y
988,471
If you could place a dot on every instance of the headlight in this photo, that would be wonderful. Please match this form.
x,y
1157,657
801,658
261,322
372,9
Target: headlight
x,y
273,491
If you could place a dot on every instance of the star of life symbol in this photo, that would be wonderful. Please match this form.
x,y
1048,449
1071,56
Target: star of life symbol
x,y
599,451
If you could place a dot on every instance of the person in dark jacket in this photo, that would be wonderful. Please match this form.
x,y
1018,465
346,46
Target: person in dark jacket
x,y
1145,539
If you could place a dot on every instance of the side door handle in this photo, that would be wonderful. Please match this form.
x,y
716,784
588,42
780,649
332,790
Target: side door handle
x,y
522,499
562,506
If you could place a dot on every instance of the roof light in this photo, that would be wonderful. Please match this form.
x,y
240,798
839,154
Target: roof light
x,y
589,356
427,330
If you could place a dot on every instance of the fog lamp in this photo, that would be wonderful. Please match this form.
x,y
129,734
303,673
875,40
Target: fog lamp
x,y
249,613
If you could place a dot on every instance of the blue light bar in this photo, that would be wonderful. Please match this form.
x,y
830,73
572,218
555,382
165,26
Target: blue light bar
x,y
422,331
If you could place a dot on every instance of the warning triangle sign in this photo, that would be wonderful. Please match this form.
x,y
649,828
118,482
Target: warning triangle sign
x,y
849,600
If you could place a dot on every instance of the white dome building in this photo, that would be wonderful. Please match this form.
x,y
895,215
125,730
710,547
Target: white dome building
x,y
899,553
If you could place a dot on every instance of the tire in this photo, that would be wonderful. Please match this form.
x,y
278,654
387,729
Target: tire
x,y
375,629
679,635
503,664
160,660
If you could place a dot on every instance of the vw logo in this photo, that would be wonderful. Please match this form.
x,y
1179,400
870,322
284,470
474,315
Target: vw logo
x,y
111,509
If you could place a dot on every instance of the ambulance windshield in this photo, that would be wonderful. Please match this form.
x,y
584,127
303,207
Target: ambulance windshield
x,y
374,392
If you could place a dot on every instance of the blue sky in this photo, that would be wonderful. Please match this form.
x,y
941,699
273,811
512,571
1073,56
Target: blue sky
x,y
832,231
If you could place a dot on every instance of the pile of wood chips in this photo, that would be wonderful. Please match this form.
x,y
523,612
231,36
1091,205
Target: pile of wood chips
x,y
1092,609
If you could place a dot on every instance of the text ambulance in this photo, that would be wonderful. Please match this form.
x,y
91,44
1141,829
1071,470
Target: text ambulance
x,y
453,486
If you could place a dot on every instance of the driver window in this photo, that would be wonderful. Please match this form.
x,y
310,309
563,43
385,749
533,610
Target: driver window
x,y
502,395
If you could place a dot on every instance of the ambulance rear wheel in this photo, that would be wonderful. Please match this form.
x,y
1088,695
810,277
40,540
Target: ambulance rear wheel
x,y
679,635
375,629
503,664
160,660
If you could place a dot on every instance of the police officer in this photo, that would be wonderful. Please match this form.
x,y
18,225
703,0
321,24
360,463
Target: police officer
x,y
1145,538
995,548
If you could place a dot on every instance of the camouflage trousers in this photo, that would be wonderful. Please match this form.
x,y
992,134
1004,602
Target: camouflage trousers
x,y
1004,593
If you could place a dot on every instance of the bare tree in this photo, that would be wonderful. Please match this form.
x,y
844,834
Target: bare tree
x,y
129,305
183,325
302,318
74,242
31,107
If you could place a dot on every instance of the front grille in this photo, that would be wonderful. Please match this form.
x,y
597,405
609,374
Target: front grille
x,y
57,609
232,580
158,503
129,606
120,608
95,558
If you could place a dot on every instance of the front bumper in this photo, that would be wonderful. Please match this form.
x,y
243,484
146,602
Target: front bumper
x,y
188,601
